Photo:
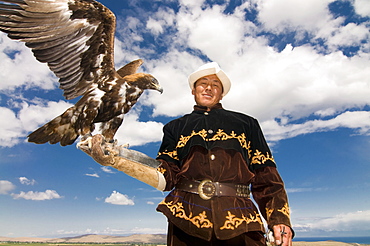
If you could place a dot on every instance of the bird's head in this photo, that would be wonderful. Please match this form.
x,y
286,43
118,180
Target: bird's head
x,y
144,81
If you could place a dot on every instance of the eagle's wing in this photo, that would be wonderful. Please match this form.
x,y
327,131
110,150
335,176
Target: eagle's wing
x,y
74,37
130,68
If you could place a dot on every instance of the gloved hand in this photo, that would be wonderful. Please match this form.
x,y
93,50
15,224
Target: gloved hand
x,y
131,162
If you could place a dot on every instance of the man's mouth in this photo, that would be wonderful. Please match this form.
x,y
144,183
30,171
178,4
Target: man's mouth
x,y
207,95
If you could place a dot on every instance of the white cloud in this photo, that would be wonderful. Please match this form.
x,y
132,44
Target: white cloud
x,y
29,118
35,115
95,175
266,84
117,198
134,132
336,35
275,87
362,7
155,26
350,35
113,231
37,196
202,30
278,15
299,190
107,169
145,230
6,186
353,221
171,71
359,121
191,3
11,129
348,222
20,68
160,20
26,181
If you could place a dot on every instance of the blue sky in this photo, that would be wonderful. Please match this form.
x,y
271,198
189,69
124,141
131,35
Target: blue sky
x,y
302,68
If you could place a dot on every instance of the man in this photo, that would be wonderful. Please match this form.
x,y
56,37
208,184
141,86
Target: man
x,y
209,160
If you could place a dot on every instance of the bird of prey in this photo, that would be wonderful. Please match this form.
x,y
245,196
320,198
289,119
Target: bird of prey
x,y
76,39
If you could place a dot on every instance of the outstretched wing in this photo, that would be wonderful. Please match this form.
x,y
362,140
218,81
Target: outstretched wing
x,y
74,37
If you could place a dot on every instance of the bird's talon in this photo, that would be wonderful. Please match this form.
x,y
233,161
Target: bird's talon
x,y
85,144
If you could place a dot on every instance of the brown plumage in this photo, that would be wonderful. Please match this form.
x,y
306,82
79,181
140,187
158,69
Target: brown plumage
x,y
76,39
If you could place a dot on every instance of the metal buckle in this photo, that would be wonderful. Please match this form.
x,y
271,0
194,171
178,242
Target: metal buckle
x,y
206,189
242,190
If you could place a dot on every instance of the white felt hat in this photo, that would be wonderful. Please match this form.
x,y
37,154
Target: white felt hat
x,y
208,69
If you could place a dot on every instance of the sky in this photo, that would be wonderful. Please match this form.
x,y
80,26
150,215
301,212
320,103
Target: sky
x,y
302,68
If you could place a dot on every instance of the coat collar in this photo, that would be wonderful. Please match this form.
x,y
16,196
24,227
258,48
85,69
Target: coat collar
x,y
203,109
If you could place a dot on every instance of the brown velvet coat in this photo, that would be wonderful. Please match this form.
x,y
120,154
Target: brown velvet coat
x,y
223,146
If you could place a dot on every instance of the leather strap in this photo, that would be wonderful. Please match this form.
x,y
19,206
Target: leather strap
x,y
208,189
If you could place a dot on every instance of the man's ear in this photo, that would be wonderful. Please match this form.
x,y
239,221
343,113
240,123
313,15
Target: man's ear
x,y
193,91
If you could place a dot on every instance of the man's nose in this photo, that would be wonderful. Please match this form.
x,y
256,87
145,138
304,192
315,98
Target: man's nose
x,y
209,86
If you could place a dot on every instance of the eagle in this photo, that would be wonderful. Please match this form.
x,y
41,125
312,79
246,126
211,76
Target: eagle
x,y
76,40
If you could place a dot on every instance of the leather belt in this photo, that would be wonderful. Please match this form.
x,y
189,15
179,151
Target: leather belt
x,y
208,189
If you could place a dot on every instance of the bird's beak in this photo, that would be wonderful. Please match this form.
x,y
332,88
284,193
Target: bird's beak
x,y
160,89
157,87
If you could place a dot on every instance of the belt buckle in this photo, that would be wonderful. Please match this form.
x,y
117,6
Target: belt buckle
x,y
206,189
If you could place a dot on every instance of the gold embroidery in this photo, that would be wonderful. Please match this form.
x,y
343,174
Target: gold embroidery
x,y
177,210
269,212
232,222
249,150
184,140
285,210
260,158
172,154
161,170
220,135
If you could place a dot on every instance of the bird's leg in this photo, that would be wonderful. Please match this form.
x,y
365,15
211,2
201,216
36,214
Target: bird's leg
x,y
109,147
99,150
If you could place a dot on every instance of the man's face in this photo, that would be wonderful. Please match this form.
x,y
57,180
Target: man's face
x,y
207,91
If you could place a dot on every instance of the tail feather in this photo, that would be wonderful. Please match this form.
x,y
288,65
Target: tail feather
x,y
60,129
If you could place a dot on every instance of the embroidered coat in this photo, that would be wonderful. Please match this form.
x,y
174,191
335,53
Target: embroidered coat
x,y
222,146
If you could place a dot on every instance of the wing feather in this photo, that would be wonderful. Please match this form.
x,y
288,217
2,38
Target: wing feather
x,y
130,68
74,37
69,68
67,84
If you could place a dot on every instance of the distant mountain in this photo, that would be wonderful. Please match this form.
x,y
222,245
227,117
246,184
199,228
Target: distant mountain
x,y
93,238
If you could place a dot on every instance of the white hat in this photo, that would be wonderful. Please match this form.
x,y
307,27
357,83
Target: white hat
x,y
208,69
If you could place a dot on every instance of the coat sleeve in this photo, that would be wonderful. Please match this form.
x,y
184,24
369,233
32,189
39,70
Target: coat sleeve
x,y
268,187
167,155
270,195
